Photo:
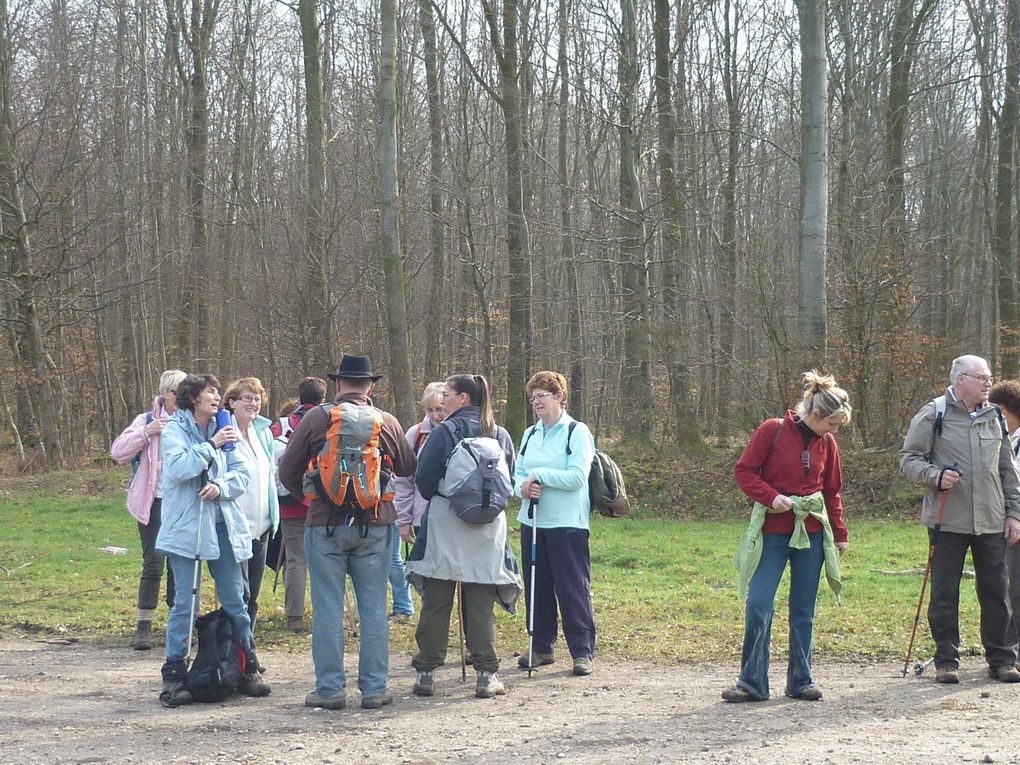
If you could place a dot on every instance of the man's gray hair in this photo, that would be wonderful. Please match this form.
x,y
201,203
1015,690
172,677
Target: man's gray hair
x,y
962,365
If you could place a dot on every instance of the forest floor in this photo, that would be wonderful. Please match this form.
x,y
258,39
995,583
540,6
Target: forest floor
x,y
83,702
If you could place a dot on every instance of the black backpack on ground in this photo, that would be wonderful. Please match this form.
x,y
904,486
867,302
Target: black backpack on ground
x,y
219,665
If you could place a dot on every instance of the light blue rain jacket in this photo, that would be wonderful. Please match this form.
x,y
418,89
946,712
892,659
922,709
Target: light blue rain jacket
x,y
189,523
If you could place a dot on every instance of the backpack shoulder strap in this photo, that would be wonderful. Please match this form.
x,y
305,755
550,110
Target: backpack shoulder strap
x,y
778,433
570,432
527,437
148,418
940,415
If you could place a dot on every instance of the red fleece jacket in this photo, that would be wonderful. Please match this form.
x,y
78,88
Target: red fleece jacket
x,y
763,472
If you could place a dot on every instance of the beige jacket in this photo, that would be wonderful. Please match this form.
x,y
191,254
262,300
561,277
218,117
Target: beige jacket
x,y
989,489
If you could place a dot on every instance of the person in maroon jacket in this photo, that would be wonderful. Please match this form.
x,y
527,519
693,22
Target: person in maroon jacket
x,y
785,463
293,509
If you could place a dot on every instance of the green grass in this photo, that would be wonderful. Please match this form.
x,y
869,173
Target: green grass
x,y
664,589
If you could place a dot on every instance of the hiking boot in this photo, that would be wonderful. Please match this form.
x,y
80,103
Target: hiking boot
x,y
737,695
424,685
143,636
173,692
1004,674
296,624
537,660
807,693
400,618
582,665
376,702
488,685
253,685
947,674
313,699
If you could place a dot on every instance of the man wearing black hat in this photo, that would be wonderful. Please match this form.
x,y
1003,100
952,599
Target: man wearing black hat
x,y
334,550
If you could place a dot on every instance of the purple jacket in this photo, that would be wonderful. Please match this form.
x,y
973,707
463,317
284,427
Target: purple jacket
x,y
409,503
129,443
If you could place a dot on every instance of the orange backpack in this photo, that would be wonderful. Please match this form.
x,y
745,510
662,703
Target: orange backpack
x,y
351,475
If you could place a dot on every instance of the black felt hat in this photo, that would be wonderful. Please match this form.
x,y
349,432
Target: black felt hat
x,y
354,368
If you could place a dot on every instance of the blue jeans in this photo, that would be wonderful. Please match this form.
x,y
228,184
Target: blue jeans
x,y
398,580
330,560
805,569
226,572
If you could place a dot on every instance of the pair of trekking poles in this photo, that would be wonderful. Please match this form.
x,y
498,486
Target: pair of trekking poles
x,y
932,545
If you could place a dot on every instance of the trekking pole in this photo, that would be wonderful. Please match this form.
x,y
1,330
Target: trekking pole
x,y
460,629
533,513
198,569
279,563
927,569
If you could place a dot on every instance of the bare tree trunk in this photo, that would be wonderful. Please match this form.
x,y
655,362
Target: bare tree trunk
x,y
38,430
504,43
316,334
814,178
392,257
193,333
572,301
685,431
437,251
1002,234
130,388
637,423
727,272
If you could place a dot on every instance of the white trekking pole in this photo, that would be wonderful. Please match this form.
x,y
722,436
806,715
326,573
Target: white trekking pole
x,y
533,512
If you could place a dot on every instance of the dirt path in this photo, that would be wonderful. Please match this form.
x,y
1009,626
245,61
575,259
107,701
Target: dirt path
x,y
82,703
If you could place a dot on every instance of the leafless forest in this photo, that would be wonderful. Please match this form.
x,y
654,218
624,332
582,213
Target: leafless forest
x,y
680,204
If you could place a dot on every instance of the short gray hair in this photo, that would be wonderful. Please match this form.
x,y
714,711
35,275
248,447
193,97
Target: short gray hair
x,y
962,365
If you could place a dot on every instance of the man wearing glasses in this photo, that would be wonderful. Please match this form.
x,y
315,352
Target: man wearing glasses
x,y
957,447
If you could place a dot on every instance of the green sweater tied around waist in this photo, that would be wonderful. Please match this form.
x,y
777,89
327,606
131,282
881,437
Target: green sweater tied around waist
x,y
749,552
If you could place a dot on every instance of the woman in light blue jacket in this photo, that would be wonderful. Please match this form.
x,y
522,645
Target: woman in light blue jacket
x,y
552,479
202,521
245,399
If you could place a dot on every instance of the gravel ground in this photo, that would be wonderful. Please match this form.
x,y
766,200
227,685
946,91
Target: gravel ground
x,y
85,703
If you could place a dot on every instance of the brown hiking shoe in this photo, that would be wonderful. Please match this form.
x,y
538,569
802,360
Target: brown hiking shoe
x,y
737,695
1004,674
948,675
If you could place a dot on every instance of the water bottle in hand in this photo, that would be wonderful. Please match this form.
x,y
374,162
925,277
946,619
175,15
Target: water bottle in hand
x,y
222,420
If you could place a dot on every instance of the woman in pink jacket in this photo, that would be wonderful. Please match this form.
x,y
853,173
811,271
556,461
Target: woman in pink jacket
x,y
140,445
409,504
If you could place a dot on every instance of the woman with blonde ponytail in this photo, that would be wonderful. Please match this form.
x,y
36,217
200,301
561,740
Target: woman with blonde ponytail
x,y
791,470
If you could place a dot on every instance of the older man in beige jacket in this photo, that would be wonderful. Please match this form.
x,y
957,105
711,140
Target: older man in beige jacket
x,y
968,455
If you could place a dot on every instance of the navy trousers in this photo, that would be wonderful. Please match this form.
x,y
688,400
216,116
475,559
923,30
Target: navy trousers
x,y
563,579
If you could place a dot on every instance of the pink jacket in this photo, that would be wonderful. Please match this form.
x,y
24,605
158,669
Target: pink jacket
x,y
409,504
131,442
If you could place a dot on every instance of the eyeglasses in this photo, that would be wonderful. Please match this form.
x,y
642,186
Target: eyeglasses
x,y
983,378
805,457
249,399
538,397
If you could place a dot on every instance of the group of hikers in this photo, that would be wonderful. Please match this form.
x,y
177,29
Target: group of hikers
x,y
345,482
347,485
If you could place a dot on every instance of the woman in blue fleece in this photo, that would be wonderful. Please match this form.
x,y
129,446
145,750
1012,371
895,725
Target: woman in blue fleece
x,y
552,479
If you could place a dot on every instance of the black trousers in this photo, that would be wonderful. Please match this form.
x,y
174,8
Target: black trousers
x,y
989,553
